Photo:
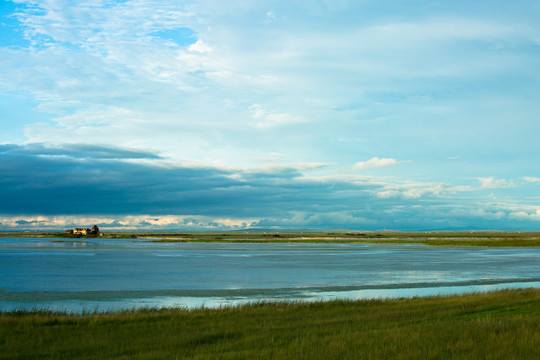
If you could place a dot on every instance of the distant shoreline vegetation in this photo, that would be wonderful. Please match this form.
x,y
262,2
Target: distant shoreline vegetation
x,y
435,238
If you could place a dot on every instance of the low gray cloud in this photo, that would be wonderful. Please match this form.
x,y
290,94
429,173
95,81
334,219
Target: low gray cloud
x,y
78,151
32,222
91,183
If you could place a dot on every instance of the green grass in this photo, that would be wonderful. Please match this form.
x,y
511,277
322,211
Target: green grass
x,y
498,325
436,238
433,242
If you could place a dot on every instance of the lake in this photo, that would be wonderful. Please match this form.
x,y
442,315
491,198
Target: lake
x,y
110,275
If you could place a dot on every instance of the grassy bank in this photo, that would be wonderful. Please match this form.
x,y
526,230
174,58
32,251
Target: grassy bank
x,y
443,238
433,242
499,325
440,238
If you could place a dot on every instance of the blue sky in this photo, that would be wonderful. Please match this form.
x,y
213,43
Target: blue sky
x,y
194,115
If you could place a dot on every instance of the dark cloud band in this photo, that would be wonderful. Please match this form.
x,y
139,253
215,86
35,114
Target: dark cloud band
x,y
91,180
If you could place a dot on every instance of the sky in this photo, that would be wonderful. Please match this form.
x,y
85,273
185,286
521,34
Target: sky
x,y
312,114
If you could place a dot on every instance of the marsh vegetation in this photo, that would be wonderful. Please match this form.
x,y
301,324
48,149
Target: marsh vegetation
x,y
498,325
436,238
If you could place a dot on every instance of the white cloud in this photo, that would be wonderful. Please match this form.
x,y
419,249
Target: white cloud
x,y
271,168
492,183
200,47
128,222
476,212
441,29
531,179
526,215
416,190
375,163
302,219
388,194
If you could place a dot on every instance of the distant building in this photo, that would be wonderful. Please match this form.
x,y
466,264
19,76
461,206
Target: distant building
x,y
82,231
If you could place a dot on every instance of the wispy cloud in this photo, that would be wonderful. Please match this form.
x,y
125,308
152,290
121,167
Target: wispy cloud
x,y
107,72
266,119
415,190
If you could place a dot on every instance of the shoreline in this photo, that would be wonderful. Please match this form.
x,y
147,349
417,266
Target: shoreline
x,y
347,240
463,238
107,302
277,302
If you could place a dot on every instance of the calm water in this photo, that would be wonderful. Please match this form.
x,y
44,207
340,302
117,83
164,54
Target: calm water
x,y
108,275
